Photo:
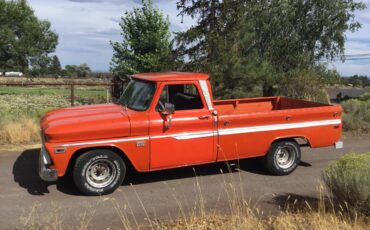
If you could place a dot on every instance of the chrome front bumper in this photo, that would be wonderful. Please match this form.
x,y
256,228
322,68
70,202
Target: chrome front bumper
x,y
46,174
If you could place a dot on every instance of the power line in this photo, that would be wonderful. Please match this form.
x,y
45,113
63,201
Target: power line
x,y
351,59
356,55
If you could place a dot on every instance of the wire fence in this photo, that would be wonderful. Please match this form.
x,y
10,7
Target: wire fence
x,y
109,87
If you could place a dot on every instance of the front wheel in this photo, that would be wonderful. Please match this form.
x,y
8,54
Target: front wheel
x,y
283,157
98,172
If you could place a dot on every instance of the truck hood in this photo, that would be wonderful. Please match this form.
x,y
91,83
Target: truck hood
x,y
85,123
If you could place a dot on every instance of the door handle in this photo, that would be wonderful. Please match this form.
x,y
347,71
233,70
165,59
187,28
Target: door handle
x,y
204,117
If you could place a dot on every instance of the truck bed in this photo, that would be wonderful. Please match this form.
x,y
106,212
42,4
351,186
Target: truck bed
x,y
248,127
261,105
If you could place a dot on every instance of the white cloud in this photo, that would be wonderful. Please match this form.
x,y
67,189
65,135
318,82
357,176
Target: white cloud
x,y
85,27
357,43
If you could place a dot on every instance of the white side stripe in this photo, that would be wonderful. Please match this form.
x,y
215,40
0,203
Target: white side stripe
x,y
278,127
187,136
105,141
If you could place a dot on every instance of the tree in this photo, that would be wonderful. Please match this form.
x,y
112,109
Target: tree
x,y
70,71
199,42
83,70
282,35
40,66
357,81
304,84
23,37
45,65
294,34
55,67
146,45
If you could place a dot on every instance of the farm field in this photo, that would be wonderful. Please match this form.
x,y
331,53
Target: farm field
x,y
22,107
96,93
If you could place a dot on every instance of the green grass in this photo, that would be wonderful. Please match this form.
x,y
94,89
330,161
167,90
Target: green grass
x,y
22,107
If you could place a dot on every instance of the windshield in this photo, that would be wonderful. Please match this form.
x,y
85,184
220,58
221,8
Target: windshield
x,y
137,95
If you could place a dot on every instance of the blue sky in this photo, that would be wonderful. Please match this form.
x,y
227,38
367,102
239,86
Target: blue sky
x,y
85,28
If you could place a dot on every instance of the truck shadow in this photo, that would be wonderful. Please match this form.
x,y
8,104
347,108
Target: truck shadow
x,y
25,172
248,165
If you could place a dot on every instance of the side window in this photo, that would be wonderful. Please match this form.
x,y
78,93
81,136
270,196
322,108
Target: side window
x,y
184,97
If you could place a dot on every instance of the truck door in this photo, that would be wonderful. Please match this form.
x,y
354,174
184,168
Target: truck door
x,y
186,137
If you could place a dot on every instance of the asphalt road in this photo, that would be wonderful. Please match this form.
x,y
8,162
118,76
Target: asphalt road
x,y
25,200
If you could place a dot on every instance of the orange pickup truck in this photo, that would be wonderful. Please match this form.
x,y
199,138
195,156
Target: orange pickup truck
x,y
168,120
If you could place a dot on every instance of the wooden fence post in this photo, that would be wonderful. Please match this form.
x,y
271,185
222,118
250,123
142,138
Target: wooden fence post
x,y
72,94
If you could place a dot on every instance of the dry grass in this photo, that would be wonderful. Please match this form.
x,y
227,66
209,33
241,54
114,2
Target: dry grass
x,y
286,221
247,219
297,213
24,131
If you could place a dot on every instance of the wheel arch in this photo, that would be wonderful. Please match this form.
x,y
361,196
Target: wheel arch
x,y
119,152
302,141
271,162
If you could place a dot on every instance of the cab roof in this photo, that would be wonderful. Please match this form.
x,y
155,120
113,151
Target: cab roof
x,y
171,76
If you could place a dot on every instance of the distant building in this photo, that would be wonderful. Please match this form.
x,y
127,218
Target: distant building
x,y
337,95
17,74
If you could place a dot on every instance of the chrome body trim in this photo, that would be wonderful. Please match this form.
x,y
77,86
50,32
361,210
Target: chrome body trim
x,y
206,94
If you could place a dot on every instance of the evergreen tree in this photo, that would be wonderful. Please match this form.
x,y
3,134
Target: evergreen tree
x,y
146,45
234,39
199,42
55,67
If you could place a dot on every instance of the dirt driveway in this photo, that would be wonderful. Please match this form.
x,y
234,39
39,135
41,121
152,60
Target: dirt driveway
x,y
25,199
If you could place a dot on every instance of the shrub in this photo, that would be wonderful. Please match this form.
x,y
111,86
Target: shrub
x,y
349,181
356,115
303,84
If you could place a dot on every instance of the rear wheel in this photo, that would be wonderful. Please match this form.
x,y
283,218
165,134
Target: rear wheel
x,y
283,157
99,172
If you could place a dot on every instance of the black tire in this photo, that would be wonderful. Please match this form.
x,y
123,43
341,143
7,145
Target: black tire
x,y
279,151
98,172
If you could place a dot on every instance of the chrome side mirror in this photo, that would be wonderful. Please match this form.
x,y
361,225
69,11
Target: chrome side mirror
x,y
167,112
169,109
